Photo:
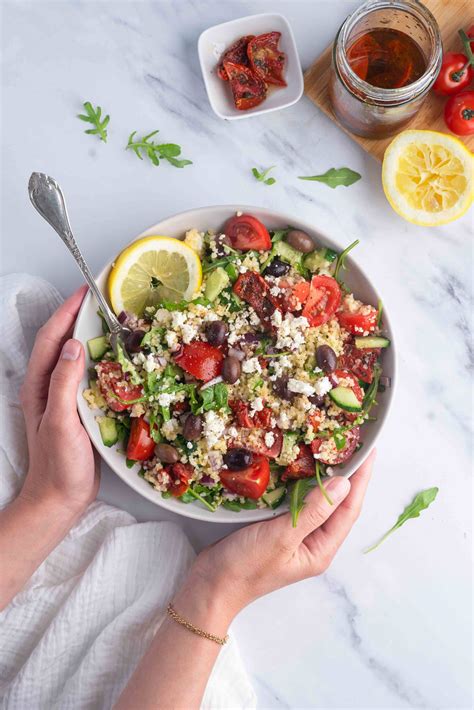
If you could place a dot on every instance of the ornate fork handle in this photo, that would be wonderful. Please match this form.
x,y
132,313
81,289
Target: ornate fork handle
x,y
47,197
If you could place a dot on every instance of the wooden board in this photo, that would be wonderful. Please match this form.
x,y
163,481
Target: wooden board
x,y
450,15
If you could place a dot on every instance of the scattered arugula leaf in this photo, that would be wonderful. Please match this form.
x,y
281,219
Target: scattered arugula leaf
x,y
335,177
371,392
341,259
94,116
130,463
213,397
339,440
278,235
379,313
320,484
297,495
420,502
262,176
156,151
192,494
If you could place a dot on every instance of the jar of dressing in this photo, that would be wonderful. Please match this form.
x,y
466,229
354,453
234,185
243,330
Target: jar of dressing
x,y
386,57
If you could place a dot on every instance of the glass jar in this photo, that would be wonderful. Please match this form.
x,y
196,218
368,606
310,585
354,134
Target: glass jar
x,y
368,110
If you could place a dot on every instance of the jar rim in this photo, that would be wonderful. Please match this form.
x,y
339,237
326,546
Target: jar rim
x,y
376,93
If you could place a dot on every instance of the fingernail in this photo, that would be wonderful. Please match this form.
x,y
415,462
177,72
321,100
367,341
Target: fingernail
x,y
339,487
71,350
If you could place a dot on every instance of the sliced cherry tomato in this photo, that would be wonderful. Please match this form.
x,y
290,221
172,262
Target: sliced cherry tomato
x,y
248,88
266,59
200,360
323,300
459,113
246,232
455,74
329,454
140,445
251,482
303,466
254,290
294,295
359,323
359,362
115,386
237,53
179,473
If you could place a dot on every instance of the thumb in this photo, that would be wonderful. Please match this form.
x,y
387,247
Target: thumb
x,y
317,508
64,382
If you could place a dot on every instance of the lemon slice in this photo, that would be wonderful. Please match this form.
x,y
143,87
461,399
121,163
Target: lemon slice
x,y
428,177
151,270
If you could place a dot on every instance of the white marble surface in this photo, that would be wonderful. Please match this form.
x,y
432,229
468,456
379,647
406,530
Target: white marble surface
x,y
388,630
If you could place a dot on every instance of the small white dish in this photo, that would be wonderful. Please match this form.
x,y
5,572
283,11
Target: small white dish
x,y
88,326
215,40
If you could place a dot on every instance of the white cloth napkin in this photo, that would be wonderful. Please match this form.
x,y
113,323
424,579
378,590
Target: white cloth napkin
x,y
72,637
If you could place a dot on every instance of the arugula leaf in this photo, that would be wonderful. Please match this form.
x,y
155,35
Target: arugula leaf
x,y
339,440
192,494
156,151
341,259
297,495
262,176
128,366
130,463
183,305
93,115
279,234
213,397
371,393
420,502
379,313
321,487
335,177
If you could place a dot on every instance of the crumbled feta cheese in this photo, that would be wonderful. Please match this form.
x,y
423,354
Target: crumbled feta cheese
x,y
171,340
165,399
276,318
322,386
256,405
284,421
150,363
178,318
290,333
213,429
189,333
251,365
300,387
269,439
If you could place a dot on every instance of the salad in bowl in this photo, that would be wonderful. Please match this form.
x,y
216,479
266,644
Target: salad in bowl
x,y
257,385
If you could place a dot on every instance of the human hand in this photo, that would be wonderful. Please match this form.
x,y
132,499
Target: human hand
x,y
263,557
63,471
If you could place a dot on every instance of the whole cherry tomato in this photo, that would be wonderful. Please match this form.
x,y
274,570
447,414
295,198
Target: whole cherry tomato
x,y
459,113
455,74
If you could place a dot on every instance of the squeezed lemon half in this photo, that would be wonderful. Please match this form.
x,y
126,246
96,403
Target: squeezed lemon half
x,y
428,177
152,270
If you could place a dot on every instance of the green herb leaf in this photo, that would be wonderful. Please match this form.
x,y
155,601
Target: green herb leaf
x,y
213,397
93,115
339,440
262,176
420,502
379,313
335,177
297,495
156,151
321,487
278,235
341,259
130,463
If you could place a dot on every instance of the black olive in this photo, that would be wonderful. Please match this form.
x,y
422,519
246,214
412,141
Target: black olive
x,y
231,369
277,267
216,332
326,358
238,459
192,428
300,241
280,387
134,340
166,453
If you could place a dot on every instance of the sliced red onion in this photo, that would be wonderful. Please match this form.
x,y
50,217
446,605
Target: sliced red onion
x,y
251,337
122,317
206,480
215,381
215,460
238,354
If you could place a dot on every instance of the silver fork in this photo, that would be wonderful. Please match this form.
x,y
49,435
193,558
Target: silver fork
x,y
47,197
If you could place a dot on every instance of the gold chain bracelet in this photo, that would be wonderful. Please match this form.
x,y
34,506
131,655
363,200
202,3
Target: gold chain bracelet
x,y
194,629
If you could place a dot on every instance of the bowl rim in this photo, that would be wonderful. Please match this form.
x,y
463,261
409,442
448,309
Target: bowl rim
x,y
192,510
263,109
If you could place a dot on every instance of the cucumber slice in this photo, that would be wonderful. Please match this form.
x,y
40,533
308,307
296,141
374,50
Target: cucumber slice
x,y
108,431
274,498
287,253
319,259
98,347
286,454
371,341
216,282
345,398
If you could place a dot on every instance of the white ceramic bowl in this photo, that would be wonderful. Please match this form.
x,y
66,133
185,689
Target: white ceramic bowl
x,y
88,326
215,40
